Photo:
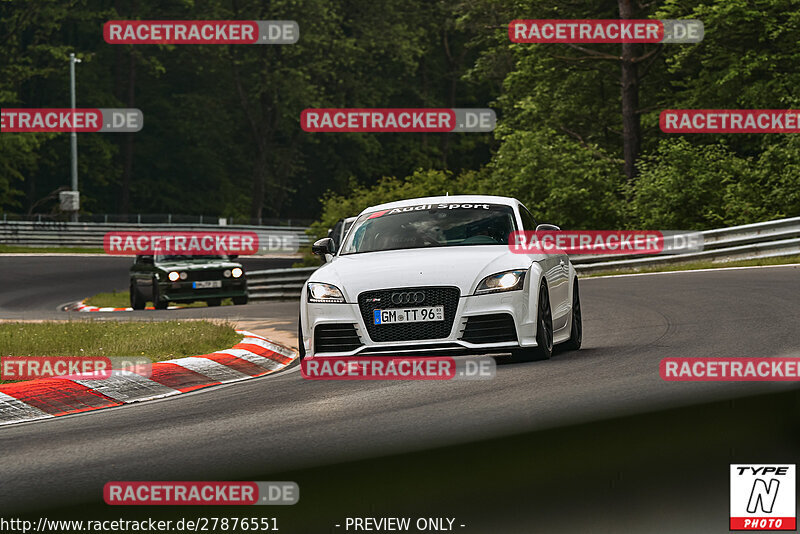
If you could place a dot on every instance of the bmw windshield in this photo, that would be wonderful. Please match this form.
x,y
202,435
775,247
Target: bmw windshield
x,y
431,225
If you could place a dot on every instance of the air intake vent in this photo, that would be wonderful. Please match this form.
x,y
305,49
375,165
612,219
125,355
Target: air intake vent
x,y
495,328
336,338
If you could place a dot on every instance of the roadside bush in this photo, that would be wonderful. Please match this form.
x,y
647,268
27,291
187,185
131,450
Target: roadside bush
x,y
420,184
558,179
697,187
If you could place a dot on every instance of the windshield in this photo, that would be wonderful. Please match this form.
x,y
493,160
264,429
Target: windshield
x,y
163,258
431,225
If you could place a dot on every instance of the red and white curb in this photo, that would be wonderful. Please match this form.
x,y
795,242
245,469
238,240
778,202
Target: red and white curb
x,y
81,307
53,397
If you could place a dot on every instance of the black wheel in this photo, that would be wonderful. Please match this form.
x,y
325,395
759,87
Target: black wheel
x,y
544,331
301,348
214,302
137,300
576,334
158,302
239,301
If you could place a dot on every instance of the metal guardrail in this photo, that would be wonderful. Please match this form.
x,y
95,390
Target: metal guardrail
x,y
733,236
157,218
277,284
69,234
760,240
771,249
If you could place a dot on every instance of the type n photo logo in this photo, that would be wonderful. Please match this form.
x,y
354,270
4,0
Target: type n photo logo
x,y
763,497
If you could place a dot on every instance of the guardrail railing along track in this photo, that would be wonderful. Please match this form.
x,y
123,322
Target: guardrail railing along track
x,y
90,235
750,241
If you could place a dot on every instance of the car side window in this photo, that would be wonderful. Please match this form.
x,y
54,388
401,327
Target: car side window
x,y
528,222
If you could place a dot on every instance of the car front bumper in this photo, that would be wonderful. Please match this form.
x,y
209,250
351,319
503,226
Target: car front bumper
x,y
514,303
183,290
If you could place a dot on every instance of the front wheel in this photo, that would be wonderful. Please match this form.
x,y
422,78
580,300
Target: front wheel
x,y
137,300
214,302
576,332
239,301
544,331
158,302
301,348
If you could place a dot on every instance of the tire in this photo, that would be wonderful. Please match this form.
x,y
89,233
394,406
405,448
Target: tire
x,y
137,300
158,303
544,331
576,331
301,348
240,301
213,302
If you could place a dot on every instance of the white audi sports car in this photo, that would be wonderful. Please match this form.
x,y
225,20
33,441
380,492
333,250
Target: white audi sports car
x,y
435,275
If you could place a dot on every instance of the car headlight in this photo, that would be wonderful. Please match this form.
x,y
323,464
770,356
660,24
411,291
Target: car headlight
x,y
184,275
237,272
505,281
324,293
173,276
226,273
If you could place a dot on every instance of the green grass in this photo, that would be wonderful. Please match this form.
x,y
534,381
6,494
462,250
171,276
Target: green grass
x,y
699,265
158,341
121,299
14,249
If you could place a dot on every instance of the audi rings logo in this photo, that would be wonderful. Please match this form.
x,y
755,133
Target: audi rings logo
x,y
412,297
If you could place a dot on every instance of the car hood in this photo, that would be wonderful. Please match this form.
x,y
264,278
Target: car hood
x,y
463,267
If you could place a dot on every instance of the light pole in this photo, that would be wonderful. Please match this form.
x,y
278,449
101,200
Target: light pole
x,y
73,137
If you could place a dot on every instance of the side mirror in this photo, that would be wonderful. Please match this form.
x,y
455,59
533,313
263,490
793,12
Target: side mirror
x,y
323,246
547,228
145,259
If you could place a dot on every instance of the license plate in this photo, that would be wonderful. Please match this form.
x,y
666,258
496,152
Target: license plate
x,y
409,315
206,284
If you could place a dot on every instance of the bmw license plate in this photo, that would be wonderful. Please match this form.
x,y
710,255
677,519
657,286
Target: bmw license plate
x,y
207,284
409,315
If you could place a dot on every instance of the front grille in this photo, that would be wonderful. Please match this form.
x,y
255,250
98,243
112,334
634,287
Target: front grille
x,y
336,338
434,296
495,328
195,276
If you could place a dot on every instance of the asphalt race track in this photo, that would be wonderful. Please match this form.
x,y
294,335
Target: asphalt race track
x,y
35,287
284,424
